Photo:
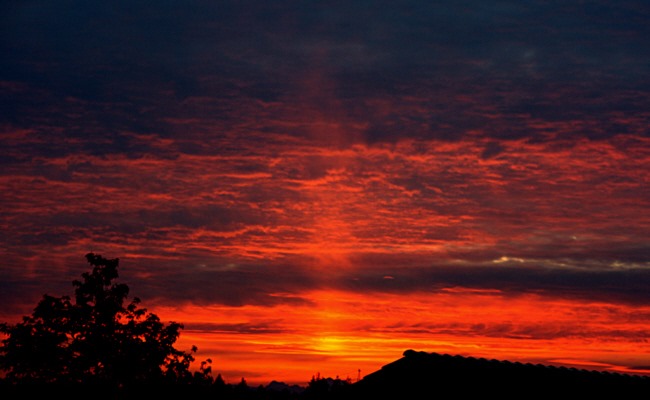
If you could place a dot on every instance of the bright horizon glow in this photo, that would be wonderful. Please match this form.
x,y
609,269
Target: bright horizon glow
x,y
344,332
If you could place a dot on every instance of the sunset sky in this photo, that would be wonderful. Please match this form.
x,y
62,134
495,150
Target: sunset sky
x,y
315,187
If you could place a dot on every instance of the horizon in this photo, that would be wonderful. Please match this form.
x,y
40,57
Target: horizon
x,y
315,188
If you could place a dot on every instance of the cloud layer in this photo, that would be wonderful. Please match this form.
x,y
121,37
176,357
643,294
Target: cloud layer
x,y
254,154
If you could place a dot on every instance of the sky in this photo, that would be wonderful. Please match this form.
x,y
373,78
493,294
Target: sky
x,y
315,187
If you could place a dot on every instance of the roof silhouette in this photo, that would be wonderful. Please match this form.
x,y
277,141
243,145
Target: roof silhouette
x,y
425,375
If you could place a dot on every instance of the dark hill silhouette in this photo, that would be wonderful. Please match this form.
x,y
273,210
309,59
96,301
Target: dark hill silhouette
x,y
430,375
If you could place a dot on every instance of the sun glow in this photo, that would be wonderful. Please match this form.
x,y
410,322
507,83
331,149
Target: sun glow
x,y
340,332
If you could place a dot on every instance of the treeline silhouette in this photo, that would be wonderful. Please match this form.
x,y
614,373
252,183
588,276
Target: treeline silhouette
x,y
98,345
324,388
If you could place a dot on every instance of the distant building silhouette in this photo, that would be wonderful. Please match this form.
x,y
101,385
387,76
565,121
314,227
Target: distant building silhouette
x,y
428,375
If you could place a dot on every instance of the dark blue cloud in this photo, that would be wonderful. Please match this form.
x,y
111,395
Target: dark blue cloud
x,y
625,285
133,64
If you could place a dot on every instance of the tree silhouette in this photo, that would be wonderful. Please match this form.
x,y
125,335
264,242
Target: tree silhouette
x,y
96,338
323,388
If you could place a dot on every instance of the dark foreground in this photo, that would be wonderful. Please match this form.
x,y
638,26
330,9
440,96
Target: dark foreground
x,y
428,375
141,392
416,375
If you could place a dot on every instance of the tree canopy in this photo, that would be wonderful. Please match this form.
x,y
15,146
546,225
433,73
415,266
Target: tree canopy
x,y
96,337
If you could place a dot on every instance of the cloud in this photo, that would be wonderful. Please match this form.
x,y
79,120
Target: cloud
x,y
426,71
228,284
625,285
569,209
519,330
239,328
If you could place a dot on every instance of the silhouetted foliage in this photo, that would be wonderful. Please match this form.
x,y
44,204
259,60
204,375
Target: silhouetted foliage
x,y
323,388
95,338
